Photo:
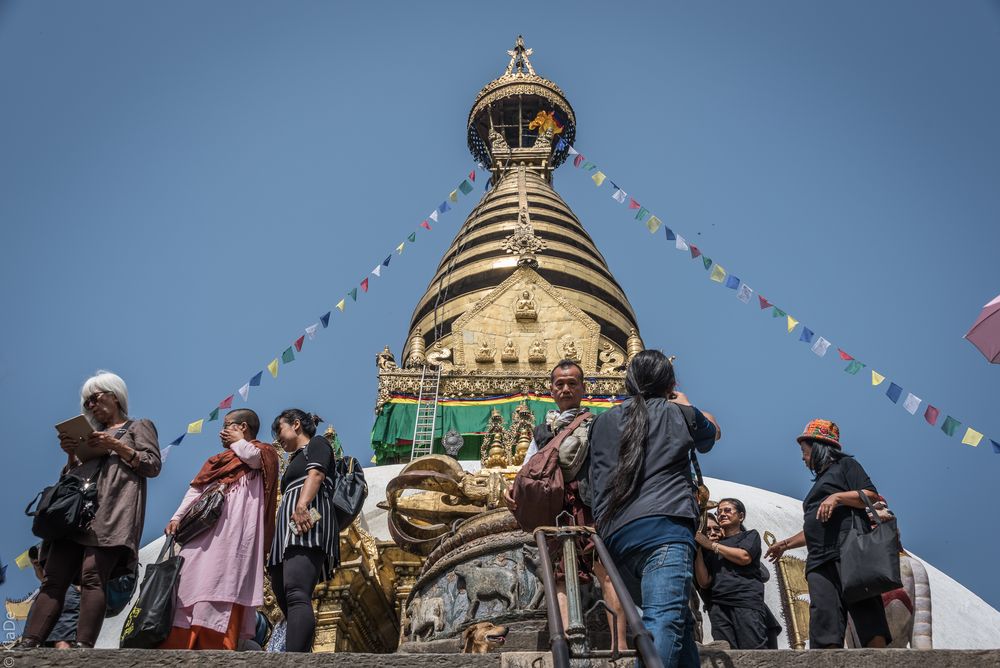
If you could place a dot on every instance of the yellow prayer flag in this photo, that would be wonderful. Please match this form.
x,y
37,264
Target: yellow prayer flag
x,y
273,367
877,377
972,437
599,178
195,427
340,305
653,224
23,560
791,323
453,196
718,274
399,248
373,459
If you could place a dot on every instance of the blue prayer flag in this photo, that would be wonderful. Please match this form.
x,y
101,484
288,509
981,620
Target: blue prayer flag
x,y
670,234
806,336
325,319
385,262
255,381
893,392
732,282
561,144
996,446
177,441
444,207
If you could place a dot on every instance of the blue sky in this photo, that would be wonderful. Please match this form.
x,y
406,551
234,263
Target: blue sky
x,y
187,185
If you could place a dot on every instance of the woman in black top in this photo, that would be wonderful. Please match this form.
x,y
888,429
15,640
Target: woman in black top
x,y
303,550
831,507
730,569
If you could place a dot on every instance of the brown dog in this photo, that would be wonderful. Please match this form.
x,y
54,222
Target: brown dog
x,y
482,637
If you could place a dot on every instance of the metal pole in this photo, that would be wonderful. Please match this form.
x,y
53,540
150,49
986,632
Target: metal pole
x,y
557,640
643,638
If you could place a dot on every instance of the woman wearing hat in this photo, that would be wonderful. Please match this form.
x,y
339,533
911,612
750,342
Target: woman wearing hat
x,y
830,508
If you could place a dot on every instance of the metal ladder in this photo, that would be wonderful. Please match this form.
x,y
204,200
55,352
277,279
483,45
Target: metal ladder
x,y
427,405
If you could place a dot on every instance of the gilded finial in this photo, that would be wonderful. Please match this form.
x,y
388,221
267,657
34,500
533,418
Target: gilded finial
x,y
519,58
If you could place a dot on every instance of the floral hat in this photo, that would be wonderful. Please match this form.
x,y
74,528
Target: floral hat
x,y
822,431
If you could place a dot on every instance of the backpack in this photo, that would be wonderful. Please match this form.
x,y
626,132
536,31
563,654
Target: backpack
x,y
539,488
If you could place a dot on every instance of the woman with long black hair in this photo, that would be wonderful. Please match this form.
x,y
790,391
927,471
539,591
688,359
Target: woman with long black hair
x,y
644,498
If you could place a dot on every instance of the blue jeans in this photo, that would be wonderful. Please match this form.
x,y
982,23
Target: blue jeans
x,y
665,574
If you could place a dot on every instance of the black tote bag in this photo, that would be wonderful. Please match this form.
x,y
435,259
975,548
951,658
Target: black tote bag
x,y
869,559
349,492
149,622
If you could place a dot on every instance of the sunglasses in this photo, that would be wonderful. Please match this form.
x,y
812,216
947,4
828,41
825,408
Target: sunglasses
x,y
726,511
92,399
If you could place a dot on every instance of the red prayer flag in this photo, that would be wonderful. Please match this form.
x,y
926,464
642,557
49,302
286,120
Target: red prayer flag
x,y
844,356
227,402
632,204
931,414
472,176
764,303
364,285
299,341
425,225
578,160
694,251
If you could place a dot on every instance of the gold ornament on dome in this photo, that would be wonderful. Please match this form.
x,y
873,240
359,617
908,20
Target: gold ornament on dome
x,y
417,349
385,359
612,360
569,351
633,346
438,355
495,450
486,354
524,307
523,241
522,427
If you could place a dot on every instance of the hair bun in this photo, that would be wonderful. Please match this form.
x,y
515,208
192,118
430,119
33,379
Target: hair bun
x,y
316,419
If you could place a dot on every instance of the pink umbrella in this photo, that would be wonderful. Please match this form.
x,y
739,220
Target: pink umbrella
x,y
985,332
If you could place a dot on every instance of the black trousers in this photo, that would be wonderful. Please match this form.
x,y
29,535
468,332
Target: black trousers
x,y
293,582
742,628
828,611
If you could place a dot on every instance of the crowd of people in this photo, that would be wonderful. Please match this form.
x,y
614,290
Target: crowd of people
x,y
631,471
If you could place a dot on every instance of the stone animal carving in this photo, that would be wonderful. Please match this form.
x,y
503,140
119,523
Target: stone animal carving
x,y
424,615
482,637
483,583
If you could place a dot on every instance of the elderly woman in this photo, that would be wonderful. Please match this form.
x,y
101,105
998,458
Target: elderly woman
x,y
109,546
831,507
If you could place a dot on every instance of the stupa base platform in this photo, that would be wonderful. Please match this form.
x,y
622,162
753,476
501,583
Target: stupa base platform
x,y
125,658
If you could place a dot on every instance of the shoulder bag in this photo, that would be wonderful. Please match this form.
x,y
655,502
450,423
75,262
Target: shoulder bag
x,y
349,492
701,490
869,558
203,515
148,623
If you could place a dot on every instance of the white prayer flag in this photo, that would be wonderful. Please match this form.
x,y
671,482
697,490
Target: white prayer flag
x,y
572,151
311,331
377,270
619,196
164,453
744,293
820,346
681,244
245,391
911,403
434,215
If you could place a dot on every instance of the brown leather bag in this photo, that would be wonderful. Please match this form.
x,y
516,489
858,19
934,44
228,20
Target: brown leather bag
x,y
539,488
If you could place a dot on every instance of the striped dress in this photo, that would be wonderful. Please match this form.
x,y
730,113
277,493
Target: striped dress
x,y
325,534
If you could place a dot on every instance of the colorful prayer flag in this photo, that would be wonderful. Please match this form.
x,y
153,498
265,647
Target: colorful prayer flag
x,y
255,381
298,343
598,178
364,285
911,403
744,293
399,248
778,313
434,215
444,207
707,261
426,225
244,391
353,293
288,356
412,238
572,151
385,262
694,251
472,174
453,196
853,367
465,186
844,356
972,437
670,234
718,274
340,305
227,402
578,160
632,204
931,415
195,427
23,560
560,144
680,244
641,214
877,378
311,330
791,323
177,441
619,196
214,415
272,366
589,166
377,270
950,425
996,446
653,224
165,454
820,346
893,392
732,282
807,335
764,304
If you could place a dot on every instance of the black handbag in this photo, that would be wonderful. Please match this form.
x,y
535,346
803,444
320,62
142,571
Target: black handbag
x,y
203,515
70,505
148,623
349,491
869,558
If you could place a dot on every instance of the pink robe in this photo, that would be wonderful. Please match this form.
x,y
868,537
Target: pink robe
x,y
224,567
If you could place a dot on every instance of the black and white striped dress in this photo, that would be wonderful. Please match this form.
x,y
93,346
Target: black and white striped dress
x,y
325,534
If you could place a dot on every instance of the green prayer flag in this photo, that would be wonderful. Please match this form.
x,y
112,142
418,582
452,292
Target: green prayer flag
x,y
354,294
412,237
854,367
214,415
641,213
288,355
465,187
778,313
950,425
707,260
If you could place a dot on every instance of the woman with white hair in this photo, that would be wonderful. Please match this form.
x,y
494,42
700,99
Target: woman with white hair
x,y
109,546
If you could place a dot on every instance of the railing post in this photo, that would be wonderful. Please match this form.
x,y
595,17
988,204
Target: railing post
x,y
557,639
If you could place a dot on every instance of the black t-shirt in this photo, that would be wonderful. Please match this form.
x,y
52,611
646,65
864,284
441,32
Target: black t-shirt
x,y
823,539
316,455
734,585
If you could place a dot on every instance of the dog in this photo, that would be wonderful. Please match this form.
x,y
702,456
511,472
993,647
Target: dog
x,y
483,637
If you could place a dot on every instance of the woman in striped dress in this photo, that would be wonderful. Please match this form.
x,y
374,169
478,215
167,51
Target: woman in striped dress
x,y
303,550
